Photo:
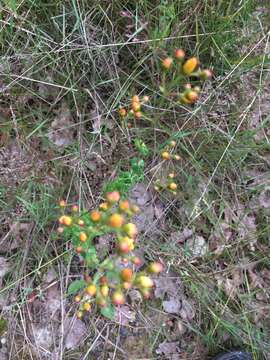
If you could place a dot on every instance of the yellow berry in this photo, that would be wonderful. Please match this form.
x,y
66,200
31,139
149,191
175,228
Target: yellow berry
x,y
130,229
80,222
118,298
122,112
172,186
95,215
104,206
77,299
192,96
190,65
62,203
135,98
82,236
116,220
79,314
91,290
135,106
145,281
104,290
165,155
86,307
67,220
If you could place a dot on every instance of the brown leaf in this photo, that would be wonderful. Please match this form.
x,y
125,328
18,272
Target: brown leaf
x,y
75,331
168,349
181,236
167,284
172,306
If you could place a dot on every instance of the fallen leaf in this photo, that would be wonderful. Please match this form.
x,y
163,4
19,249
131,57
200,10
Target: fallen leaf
x,y
187,311
169,285
181,236
168,349
172,306
75,330
43,335
197,246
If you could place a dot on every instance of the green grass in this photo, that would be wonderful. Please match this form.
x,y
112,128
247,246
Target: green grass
x,y
81,54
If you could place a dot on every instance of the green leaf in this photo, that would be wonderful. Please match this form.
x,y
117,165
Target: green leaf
x,y
75,286
108,312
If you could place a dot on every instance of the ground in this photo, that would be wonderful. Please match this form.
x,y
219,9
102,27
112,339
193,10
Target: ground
x,y
65,69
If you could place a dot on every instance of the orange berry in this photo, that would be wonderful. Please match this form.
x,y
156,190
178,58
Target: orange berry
x,y
116,220
104,290
77,299
190,65
118,298
95,215
60,230
104,206
62,203
155,268
91,290
126,274
82,236
67,220
192,96
79,249
86,307
130,229
165,155
135,98
167,63
124,205
172,186
113,196
179,54
122,112
144,281
74,208
79,314
138,114
80,222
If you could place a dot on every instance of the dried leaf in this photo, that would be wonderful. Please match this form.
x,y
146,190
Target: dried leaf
x,y
197,246
168,349
75,330
167,285
181,236
123,315
187,311
172,306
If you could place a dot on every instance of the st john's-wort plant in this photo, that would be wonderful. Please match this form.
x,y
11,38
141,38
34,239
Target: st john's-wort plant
x,y
110,275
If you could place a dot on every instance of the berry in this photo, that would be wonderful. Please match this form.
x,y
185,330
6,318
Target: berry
x,y
171,175
79,314
82,236
172,186
104,290
155,268
118,298
104,206
145,293
60,230
77,299
91,290
136,261
179,54
135,106
126,285
62,203
86,307
144,281
74,208
184,100
122,112
167,63
177,157
130,229
135,209
79,249
206,74
95,215
113,196
192,96
80,222
145,99
138,115
124,205
165,155
126,274
101,302
125,244
103,280
116,220
190,65
135,98
172,143
65,220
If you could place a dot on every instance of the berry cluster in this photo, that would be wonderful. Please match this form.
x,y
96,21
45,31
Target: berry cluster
x,y
115,273
135,108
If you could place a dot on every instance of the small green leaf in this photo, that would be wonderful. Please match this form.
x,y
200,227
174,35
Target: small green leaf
x,y
75,286
108,312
